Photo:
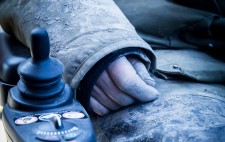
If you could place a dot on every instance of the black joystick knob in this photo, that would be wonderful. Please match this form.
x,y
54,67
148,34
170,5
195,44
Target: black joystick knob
x,y
40,77
40,46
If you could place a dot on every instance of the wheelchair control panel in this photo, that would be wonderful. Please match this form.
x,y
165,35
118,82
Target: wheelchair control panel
x,y
40,106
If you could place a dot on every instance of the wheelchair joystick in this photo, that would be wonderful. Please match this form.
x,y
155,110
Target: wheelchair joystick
x,y
41,106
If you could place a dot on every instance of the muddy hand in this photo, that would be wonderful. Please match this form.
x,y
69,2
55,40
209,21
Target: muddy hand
x,y
125,82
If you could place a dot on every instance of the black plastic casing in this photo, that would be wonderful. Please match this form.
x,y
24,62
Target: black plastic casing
x,y
40,106
12,53
28,132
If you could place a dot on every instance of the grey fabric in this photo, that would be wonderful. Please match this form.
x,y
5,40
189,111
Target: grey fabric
x,y
185,111
191,64
81,32
188,109
166,24
215,6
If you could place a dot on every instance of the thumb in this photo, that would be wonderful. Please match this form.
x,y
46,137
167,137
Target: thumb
x,y
141,70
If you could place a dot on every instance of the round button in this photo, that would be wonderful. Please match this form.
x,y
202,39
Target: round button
x,y
26,120
73,114
47,117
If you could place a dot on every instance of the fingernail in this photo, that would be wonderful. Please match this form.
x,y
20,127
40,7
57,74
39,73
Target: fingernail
x,y
156,94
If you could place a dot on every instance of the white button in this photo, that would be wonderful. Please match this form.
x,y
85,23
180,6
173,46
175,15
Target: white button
x,y
26,120
73,114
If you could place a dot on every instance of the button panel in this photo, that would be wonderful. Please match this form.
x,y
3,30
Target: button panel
x,y
73,129
67,135
47,116
69,132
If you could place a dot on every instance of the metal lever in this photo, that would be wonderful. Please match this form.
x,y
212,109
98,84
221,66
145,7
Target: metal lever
x,y
57,122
